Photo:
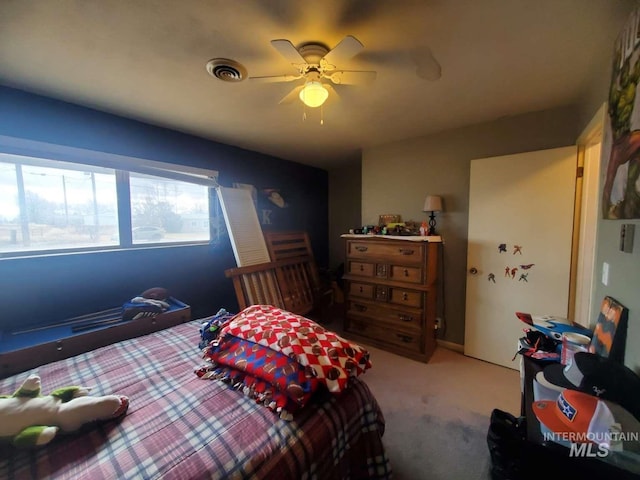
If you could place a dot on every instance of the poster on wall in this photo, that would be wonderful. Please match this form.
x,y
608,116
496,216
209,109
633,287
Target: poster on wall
x,y
621,191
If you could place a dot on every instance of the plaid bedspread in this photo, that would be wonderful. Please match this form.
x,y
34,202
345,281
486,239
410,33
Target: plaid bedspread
x,y
180,427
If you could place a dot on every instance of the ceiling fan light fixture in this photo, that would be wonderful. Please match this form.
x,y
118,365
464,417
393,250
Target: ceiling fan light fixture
x,y
313,94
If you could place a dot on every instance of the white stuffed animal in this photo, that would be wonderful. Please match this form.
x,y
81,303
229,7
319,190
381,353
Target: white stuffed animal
x,y
28,419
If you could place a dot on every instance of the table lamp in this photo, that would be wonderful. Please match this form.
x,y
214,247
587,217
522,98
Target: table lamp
x,y
432,204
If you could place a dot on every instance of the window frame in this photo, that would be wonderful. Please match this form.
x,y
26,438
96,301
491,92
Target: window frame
x,y
123,166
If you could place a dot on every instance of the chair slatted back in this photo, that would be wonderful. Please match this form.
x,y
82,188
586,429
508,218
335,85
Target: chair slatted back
x,y
283,245
284,284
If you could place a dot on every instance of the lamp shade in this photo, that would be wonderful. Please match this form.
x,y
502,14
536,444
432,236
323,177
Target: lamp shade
x,y
313,94
432,203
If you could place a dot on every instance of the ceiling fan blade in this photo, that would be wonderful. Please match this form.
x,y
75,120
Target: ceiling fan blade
x,y
348,47
332,92
352,77
289,52
292,95
427,67
276,78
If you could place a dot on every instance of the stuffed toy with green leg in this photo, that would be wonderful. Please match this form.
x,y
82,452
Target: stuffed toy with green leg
x,y
29,419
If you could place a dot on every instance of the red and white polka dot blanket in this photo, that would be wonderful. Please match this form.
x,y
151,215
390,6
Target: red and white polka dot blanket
x,y
324,354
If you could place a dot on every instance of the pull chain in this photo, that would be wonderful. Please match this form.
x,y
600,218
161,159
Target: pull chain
x,y
304,114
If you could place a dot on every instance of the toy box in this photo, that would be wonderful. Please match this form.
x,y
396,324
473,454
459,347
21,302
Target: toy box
x,y
22,350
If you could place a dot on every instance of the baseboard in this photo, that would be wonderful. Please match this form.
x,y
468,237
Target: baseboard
x,y
457,347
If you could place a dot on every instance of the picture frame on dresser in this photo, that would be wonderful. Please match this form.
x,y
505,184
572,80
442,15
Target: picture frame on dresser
x,y
388,218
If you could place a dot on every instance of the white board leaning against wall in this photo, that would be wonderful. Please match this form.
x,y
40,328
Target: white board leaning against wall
x,y
245,233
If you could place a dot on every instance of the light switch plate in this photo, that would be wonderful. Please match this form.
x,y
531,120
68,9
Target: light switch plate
x,y
627,231
605,273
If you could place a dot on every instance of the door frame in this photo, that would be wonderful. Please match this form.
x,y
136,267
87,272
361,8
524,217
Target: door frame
x,y
585,221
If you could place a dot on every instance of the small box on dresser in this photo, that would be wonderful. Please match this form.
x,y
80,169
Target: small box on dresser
x,y
391,292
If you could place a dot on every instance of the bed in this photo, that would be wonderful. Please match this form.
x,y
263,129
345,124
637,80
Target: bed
x,y
180,426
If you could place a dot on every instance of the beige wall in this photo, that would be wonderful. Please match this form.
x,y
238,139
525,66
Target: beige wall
x,y
397,177
624,268
624,281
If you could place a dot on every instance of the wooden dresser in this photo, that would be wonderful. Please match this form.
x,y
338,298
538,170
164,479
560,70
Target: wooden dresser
x,y
391,289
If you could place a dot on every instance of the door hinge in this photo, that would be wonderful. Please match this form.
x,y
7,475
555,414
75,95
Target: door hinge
x,y
580,172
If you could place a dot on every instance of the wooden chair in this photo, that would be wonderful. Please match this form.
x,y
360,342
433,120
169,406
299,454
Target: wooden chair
x,y
284,284
291,280
283,245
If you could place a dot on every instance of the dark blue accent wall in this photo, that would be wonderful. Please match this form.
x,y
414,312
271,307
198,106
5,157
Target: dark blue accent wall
x,y
45,289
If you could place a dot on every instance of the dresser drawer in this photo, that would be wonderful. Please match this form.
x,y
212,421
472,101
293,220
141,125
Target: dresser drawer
x,y
406,252
363,269
411,341
386,315
362,290
406,274
408,298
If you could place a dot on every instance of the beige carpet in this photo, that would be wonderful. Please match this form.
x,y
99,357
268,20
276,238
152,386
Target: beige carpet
x,y
437,413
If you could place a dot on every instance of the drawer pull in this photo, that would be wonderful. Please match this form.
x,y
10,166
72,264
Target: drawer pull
x,y
404,338
406,272
361,268
361,289
405,296
405,318
59,346
360,308
362,248
406,251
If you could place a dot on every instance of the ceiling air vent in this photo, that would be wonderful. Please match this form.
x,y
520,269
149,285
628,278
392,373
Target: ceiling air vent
x,y
226,70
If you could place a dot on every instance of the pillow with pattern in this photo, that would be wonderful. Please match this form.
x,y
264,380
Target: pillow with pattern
x,y
326,356
284,374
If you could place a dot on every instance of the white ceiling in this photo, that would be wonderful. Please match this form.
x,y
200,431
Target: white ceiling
x,y
145,59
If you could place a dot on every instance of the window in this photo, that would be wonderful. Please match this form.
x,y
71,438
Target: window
x,y
55,205
167,210
52,205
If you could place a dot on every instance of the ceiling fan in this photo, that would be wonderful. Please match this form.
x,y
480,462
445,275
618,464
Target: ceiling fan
x,y
319,67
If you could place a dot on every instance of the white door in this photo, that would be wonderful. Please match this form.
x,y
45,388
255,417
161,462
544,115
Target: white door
x,y
519,253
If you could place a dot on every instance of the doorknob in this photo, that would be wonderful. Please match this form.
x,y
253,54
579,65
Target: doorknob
x,y
473,270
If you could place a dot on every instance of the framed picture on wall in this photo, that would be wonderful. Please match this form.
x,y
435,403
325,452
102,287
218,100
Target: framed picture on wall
x,y
620,194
